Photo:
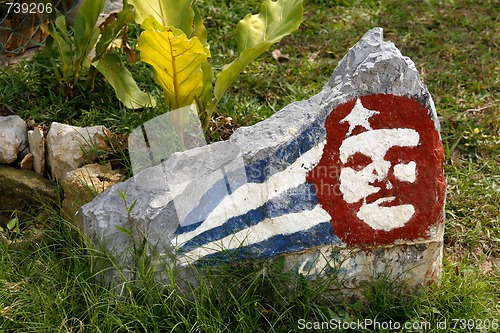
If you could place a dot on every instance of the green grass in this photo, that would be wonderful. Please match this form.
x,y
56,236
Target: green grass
x,y
52,288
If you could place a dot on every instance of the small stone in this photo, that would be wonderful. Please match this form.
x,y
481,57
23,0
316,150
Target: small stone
x,y
82,185
69,147
277,55
13,139
27,162
36,139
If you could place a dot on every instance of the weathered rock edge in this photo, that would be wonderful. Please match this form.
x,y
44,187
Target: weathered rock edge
x,y
372,66
22,191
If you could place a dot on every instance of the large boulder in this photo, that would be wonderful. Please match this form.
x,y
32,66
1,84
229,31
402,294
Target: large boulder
x,y
349,182
13,139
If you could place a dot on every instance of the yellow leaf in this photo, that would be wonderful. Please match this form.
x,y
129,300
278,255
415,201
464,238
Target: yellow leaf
x,y
177,62
177,13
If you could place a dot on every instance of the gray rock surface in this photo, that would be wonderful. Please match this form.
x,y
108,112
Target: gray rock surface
x,y
13,139
372,66
69,147
392,73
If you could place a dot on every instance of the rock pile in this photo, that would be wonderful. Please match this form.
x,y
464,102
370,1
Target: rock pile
x,y
61,154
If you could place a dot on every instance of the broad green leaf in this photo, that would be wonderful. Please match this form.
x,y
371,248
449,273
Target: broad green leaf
x,y
122,81
62,29
204,98
86,32
86,20
275,20
177,13
61,43
177,62
13,224
256,33
199,28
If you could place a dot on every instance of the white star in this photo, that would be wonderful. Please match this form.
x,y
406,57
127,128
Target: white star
x,y
359,117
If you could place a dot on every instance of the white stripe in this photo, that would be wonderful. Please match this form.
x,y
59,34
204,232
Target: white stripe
x,y
282,225
252,195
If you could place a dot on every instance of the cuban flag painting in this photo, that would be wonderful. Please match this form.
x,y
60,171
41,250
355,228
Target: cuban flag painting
x,y
254,209
261,218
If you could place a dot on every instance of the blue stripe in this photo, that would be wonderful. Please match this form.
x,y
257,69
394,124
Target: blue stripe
x,y
294,200
259,171
187,228
322,234
256,171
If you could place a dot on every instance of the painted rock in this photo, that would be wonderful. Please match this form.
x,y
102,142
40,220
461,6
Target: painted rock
x,y
350,182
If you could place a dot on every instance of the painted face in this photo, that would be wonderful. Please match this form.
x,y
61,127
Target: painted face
x,y
367,173
385,180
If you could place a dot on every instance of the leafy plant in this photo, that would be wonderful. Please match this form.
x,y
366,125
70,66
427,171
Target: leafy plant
x,y
173,41
177,48
12,228
86,49
53,288
73,45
